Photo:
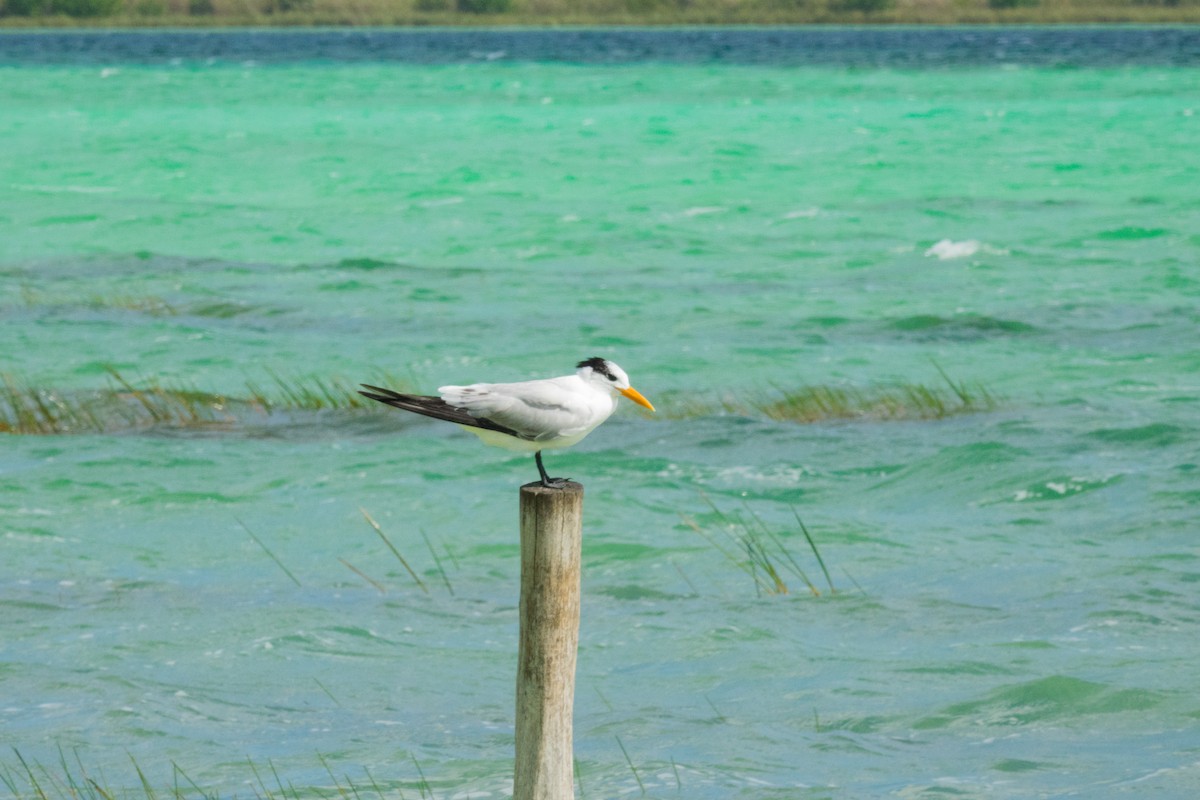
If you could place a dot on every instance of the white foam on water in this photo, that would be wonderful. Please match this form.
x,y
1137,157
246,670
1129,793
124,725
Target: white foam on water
x,y
947,249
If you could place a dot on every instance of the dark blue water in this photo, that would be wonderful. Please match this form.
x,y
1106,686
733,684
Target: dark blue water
x,y
901,48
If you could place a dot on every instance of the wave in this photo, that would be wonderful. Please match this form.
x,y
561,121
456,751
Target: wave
x,y
1055,699
959,326
948,249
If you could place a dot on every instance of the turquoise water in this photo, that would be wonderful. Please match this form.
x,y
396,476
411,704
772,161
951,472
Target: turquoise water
x,y
1016,608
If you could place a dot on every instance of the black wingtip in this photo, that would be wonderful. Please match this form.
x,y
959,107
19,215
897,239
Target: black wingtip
x,y
434,407
374,392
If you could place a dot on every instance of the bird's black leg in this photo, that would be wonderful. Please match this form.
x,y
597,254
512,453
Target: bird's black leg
x,y
547,481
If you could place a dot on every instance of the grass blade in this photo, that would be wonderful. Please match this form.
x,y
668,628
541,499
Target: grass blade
x,y
438,562
720,717
766,531
392,547
178,770
686,579
29,776
423,787
136,394
856,584
8,780
816,552
379,586
267,550
695,526
579,778
326,691
375,785
261,785
632,768
329,772
146,787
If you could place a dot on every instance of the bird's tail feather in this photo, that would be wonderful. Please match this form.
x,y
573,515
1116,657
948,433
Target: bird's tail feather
x,y
429,406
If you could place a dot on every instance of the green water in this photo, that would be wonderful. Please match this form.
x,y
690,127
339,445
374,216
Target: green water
x,y
1016,607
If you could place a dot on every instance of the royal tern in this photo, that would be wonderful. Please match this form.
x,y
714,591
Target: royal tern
x,y
530,416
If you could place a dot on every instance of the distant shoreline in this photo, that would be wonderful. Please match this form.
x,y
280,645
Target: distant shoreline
x,y
844,46
109,14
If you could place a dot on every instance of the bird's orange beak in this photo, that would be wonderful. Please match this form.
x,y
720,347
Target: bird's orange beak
x,y
636,396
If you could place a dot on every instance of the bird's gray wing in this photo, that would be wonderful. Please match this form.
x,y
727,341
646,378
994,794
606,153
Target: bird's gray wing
x,y
434,407
537,411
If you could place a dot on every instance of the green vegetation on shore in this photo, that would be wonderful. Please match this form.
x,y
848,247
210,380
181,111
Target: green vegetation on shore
x,y
175,13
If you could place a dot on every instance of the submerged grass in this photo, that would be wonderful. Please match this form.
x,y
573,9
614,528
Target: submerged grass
x,y
904,401
270,554
125,404
148,304
632,768
403,561
752,546
35,781
128,405
310,394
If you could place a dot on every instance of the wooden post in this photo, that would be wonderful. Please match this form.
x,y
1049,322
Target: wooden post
x,y
551,540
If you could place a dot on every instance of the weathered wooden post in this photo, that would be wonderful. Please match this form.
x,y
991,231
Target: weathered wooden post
x,y
551,541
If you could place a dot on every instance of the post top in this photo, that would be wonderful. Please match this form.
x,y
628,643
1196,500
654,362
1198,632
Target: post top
x,y
568,487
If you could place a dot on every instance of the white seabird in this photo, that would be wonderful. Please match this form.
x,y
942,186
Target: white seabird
x,y
529,416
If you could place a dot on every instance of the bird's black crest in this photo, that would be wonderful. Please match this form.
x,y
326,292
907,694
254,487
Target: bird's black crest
x,y
599,365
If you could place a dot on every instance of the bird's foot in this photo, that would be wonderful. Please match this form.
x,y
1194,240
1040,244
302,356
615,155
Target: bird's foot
x,y
547,481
